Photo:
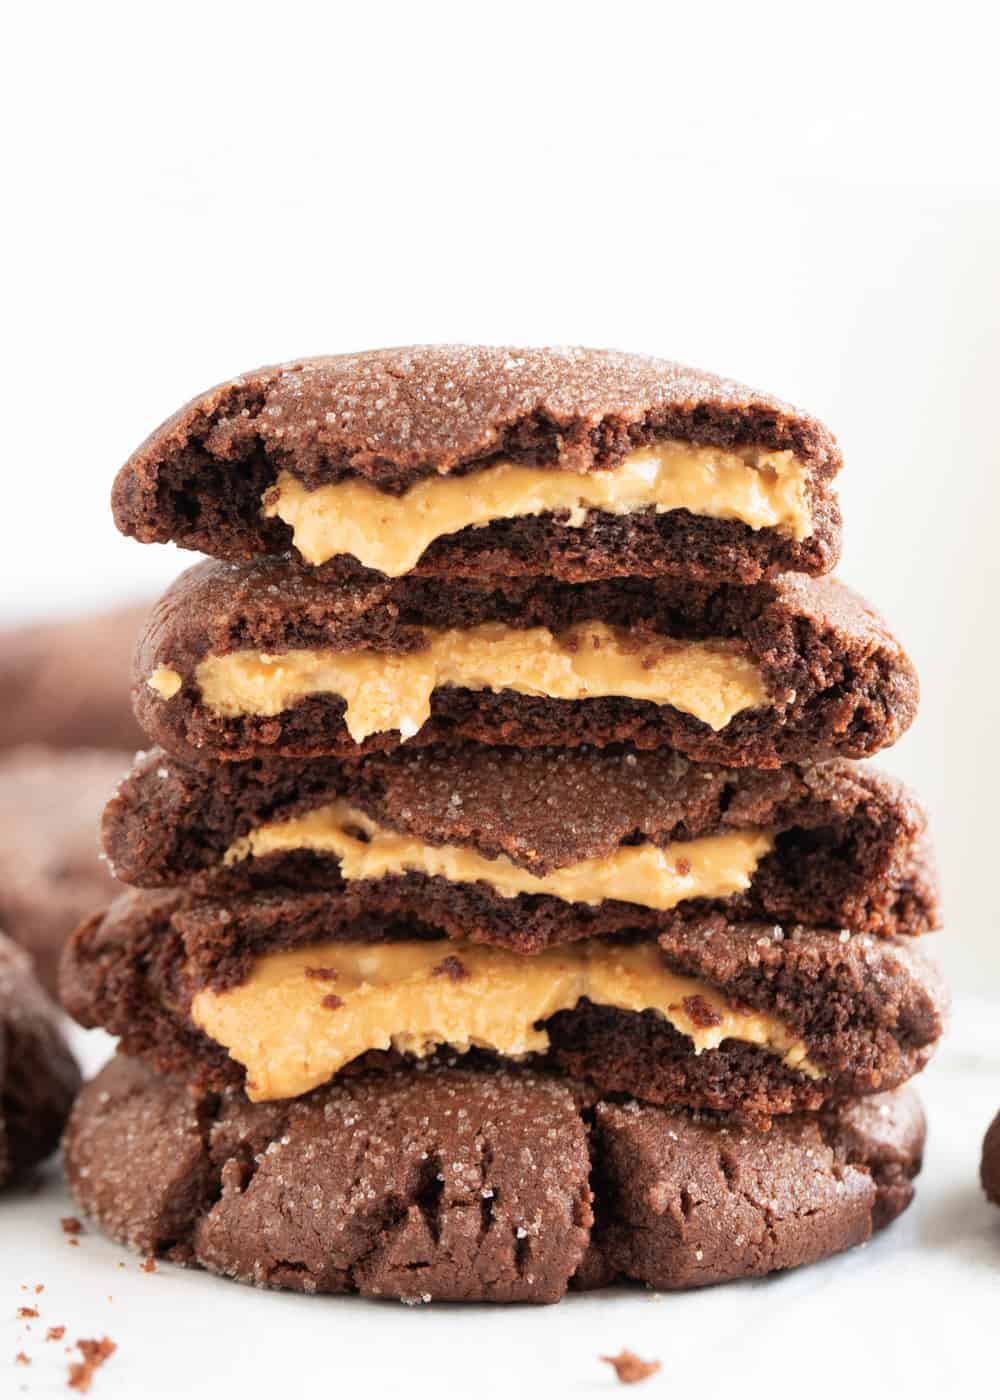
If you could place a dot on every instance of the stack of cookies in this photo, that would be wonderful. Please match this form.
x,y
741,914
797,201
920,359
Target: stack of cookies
x,y
510,909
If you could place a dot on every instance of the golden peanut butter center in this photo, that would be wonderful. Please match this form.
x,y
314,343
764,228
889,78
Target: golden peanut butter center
x,y
710,867
304,1014
390,533
712,680
165,681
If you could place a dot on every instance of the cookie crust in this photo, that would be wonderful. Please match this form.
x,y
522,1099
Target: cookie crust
x,y
393,417
869,1010
840,683
485,1185
850,845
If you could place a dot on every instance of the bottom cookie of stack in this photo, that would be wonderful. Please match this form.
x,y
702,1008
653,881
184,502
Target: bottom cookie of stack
x,y
478,1183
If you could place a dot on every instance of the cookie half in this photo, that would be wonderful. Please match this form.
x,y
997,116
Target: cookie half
x,y
466,461
285,991
531,847
685,1200
51,875
38,1075
490,1186
241,661
990,1166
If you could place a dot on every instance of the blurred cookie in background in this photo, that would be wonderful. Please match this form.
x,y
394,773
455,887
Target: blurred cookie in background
x,y
38,1075
51,876
989,1172
67,683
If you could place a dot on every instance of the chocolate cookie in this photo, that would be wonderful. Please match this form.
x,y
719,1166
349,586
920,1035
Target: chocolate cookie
x,y
454,461
38,1075
480,1185
685,1200
299,988
65,683
530,847
240,661
990,1168
51,876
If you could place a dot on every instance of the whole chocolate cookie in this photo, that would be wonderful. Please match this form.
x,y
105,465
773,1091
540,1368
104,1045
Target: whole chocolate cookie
x,y
529,847
38,1075
51,875
484,1185
575,464
266,659
65,683
296,989
990,1167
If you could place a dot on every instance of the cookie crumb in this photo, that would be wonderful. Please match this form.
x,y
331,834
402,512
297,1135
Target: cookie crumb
x,y
630,1368
148,1265
55,1334
71,1226
21,1359
451,967
701,1013
27,1312
94,1354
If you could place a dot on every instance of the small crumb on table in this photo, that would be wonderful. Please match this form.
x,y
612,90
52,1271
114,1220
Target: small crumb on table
x,y
94,1354
630,1368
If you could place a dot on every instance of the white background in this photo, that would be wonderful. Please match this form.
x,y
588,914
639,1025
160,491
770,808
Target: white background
x,y
805,197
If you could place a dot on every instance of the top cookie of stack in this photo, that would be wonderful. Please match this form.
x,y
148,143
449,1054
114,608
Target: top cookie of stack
x,y
466,461
461,540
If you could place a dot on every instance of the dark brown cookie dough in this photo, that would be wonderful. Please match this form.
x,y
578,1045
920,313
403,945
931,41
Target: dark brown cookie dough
x,y
682,1201
477,1185
849,846
51,875
990,1167
868,1010
38,1075
839,682
65,684
442,1184
393,417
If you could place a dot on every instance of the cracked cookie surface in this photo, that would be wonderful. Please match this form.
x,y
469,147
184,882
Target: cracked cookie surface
x,y
392,418
487,1185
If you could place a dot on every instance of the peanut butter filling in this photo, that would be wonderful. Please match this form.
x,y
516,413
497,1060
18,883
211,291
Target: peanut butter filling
x,y
712,680
658,878
390,533
304,1014
165,681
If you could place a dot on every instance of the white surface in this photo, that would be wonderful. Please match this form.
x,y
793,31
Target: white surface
x,y
914,1313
